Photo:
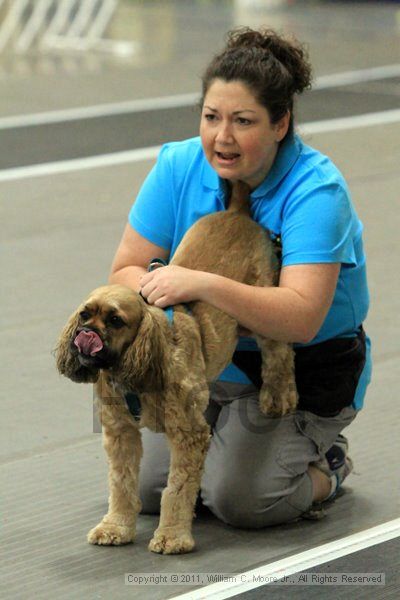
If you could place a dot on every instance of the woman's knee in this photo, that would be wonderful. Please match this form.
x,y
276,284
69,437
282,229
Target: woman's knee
x,y
237,510
249,506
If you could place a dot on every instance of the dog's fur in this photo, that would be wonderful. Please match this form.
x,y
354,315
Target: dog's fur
x,y
169,366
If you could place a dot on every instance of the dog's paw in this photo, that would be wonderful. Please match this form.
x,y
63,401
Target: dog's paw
x,y
280,404
111,534
170,541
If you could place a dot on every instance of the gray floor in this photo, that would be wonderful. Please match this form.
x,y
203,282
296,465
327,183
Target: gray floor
x,y
384,558
59,233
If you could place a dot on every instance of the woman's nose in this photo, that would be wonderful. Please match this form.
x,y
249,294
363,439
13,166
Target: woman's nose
x,y
224,133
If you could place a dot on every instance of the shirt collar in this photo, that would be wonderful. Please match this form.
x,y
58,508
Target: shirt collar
x,y
287,155
209,177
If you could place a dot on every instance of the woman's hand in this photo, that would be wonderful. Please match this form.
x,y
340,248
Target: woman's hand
x,y
170,285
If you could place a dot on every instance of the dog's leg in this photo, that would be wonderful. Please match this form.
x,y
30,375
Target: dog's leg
x,y
122,442
278,394
188,451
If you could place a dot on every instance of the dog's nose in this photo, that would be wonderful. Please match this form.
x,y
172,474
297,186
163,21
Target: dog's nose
x,y
88,329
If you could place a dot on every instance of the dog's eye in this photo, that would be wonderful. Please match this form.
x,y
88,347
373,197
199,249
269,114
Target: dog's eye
x,y
116,322
84,315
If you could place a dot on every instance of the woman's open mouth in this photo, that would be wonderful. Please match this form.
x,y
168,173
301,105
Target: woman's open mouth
x,y
227,158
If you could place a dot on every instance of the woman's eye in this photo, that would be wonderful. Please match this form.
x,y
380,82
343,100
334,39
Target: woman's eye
x,y
243,121
210,117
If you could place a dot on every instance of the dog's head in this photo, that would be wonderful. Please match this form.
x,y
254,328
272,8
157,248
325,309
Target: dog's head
x,y
112,330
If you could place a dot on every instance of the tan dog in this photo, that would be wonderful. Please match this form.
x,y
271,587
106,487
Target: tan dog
x,y
124,345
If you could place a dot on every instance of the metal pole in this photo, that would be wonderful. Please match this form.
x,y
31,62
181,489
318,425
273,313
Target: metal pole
x,y
61,17
102,19
34,24
82,18
12,21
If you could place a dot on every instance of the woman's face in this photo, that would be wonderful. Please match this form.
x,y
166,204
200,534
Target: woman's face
x,y
238,138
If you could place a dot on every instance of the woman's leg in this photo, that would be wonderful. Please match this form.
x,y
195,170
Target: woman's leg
x,y
257,468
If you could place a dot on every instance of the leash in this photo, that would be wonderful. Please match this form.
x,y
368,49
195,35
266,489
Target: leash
x,y
131,398
155,263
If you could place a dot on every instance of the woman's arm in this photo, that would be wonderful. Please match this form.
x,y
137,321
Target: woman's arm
x,y
292,312
132,258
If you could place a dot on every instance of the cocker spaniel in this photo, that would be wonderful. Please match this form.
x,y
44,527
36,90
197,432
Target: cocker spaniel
x,y
124,345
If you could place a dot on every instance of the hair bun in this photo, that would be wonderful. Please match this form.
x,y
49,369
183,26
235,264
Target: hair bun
x,y
290,53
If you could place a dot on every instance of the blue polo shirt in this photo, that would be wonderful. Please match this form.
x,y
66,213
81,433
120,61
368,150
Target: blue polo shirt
x,y
304,199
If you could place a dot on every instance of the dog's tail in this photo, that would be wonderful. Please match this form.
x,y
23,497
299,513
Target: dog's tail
x,y
239,200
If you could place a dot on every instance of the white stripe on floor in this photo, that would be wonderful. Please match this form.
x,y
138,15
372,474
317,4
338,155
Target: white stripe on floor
x,y
80,164
180,100
353,122
297,563
360,76
150,153
99,110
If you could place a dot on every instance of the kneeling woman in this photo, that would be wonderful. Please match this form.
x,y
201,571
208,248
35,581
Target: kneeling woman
x,y
261,471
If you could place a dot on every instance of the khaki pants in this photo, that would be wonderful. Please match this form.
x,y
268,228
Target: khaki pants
x,y
256,468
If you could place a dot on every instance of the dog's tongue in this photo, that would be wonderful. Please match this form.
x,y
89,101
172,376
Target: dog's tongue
x,y
88,342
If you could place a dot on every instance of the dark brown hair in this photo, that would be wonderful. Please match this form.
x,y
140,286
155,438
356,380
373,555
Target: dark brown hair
x,y
274,68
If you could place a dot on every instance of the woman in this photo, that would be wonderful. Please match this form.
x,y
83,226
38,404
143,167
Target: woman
x,y
261,471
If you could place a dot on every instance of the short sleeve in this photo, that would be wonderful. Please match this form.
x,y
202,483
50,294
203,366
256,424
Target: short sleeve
x,y
319,227
152,214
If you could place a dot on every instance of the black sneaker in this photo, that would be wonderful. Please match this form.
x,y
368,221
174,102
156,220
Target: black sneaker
x,y
337,465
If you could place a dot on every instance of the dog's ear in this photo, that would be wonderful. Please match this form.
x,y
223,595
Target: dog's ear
x,y
143,367
67,360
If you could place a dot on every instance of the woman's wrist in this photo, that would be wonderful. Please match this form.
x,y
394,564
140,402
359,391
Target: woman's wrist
x,y
206,283
129,276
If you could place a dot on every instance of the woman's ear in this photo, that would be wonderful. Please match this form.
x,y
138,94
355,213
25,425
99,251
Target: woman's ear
x,y
282,126
67,360
144,366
